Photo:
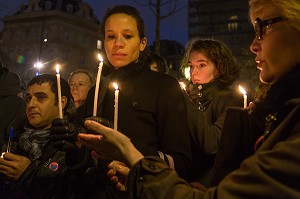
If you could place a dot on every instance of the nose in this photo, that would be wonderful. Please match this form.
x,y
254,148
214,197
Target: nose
x,y
255,46
73,86
119,42
31,103
194,71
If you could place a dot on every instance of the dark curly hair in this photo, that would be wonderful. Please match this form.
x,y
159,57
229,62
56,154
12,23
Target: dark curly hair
x,y
219,54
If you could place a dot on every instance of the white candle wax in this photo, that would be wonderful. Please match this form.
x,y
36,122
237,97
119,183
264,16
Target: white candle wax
x,y
97,85
59,92
116,106
244,96
245,101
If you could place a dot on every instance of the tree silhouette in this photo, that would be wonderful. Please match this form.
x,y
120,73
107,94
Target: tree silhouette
x,y
161,9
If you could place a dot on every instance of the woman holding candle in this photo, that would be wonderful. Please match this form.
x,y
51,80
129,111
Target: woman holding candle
x,y
273,171
212,70
151,108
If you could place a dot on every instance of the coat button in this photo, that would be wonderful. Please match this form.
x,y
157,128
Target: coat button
x,y
136,105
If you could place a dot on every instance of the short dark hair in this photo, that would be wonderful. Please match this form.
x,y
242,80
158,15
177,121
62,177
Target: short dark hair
x,y
52,80
160,61
128,10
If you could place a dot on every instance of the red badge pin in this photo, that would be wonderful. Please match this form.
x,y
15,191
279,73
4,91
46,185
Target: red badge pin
x,y
53,166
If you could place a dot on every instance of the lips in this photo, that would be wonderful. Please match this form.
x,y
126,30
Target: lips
x,y
118,55
258,64
33,114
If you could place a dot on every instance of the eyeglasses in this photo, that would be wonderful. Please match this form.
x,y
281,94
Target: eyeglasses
x,y
260,24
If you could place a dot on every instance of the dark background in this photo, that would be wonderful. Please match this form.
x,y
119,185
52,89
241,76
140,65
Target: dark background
x,y
172,28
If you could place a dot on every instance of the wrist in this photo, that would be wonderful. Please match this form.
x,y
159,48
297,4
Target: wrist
x,y
132,156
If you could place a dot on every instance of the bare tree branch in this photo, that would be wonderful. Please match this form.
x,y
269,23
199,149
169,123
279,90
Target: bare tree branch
x,y
156,8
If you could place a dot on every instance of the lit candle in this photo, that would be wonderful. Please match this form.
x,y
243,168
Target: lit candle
x,y
59,92
244,95
97,85
116,106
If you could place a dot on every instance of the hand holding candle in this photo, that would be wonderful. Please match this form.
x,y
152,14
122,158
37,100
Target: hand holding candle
x,y
97,85
59,92
244,95
116,106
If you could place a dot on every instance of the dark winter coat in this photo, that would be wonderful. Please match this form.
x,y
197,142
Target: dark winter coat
x,y
152,113
47,177
207,105
236,146
12,107
271,172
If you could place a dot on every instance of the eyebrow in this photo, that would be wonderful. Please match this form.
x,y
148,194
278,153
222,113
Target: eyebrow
x,y
125,30
200,60
37,93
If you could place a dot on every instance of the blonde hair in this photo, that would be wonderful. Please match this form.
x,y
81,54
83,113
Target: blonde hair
x,y
288,9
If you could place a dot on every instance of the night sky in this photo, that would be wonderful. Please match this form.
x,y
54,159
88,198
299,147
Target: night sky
x,y
172,28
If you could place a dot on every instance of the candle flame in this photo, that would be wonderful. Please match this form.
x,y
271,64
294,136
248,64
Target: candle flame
x,y
187,73
242,90
100,57
38,65
116,86
57,68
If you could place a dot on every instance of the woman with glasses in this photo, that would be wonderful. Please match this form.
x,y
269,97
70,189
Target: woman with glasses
x,y
273,170
213,69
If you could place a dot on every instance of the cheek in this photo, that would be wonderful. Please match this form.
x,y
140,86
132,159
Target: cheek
x,y
107,48
135,51
83,92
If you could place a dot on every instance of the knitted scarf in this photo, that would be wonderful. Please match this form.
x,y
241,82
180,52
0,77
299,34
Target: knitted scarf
x,y
33,141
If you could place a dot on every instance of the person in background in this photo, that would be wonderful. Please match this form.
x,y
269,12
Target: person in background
x,y
12,114
273,170
151,104
80,82
213,69
22,90
157,63
37,169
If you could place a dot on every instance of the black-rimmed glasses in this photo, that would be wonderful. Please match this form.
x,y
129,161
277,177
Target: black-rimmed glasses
x,y
260,24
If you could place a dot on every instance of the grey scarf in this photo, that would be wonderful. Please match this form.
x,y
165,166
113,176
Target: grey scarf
x,y
33,141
